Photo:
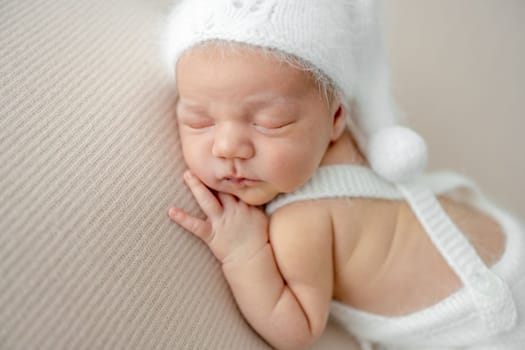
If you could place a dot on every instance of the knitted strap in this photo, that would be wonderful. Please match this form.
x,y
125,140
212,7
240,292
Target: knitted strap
x,y
355,181
339,181
489,292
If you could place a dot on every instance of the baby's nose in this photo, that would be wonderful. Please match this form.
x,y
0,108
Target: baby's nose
x,y
232,141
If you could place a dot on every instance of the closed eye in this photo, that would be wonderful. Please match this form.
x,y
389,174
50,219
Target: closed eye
x,y
196,122
268,127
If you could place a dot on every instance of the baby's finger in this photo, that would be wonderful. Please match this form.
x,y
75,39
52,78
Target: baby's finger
x,y
206,200
226,199
198,227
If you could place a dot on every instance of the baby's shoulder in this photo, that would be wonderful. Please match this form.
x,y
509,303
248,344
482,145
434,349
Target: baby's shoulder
x,y
343,217
308,222
300,213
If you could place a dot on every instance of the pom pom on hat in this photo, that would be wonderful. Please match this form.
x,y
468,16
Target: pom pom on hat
x,y
397,154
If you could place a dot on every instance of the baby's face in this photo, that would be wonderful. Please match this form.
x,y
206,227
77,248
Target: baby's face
x,y
250,125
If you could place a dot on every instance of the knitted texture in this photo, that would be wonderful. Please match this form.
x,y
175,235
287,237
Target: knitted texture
x,y
342,39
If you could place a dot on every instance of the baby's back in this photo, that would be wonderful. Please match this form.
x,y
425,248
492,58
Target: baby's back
x,y
386,263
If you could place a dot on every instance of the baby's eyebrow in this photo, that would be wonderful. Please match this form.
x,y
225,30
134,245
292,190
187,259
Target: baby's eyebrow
x,y
269,98
190,105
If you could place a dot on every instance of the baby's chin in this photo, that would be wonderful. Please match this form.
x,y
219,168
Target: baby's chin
x,y
256,201
254,196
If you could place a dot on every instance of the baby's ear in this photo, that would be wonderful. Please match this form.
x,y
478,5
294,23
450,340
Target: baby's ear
x,y
339,120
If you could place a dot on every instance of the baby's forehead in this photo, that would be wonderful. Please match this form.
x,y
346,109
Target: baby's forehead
x,y
237,66
254,101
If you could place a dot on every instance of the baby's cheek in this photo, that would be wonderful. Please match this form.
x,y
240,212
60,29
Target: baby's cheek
x,y
199,163
291,172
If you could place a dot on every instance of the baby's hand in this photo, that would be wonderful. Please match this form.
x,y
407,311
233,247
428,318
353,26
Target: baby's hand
x,y
233,230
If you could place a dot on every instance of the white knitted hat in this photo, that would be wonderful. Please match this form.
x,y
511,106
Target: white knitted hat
x,y
341,38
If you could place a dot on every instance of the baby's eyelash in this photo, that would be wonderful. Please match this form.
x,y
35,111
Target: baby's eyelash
x,y
197,122
272,125
273,128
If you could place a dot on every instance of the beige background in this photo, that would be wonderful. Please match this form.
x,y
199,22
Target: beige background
x,y
458,73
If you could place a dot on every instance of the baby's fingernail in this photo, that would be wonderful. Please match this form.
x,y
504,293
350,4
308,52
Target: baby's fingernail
x,y
173,213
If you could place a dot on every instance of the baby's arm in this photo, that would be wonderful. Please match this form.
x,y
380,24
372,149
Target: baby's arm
x,y
283,288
